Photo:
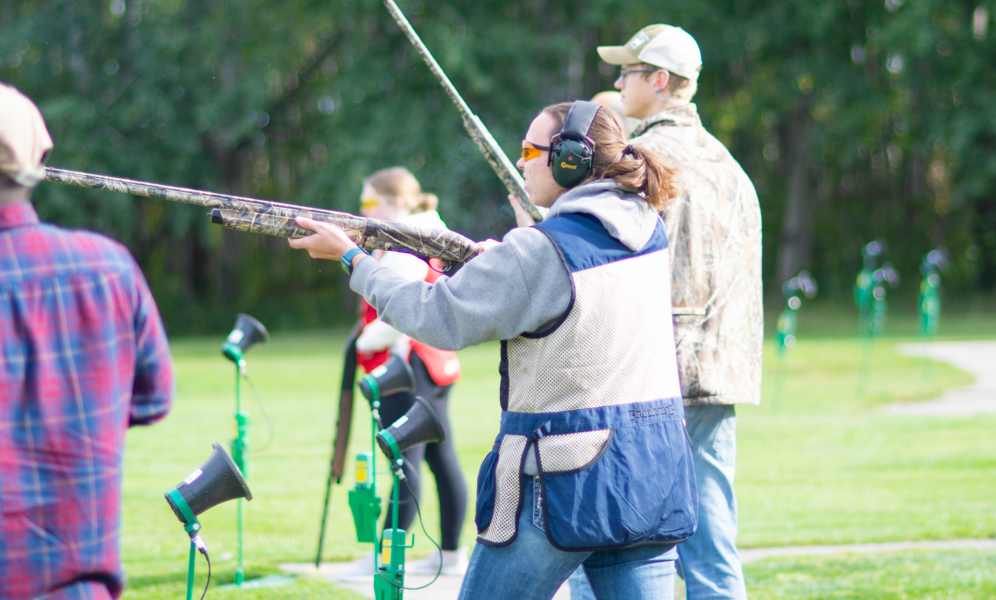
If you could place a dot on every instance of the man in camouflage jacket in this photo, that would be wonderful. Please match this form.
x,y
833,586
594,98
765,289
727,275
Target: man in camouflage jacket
x,y
714,231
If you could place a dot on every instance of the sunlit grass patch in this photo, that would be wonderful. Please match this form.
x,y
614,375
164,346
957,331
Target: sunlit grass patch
x,y
948,575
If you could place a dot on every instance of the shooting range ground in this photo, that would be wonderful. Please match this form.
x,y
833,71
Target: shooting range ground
x,y
824,468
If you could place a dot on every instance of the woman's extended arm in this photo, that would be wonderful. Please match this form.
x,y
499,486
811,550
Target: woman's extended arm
x,y
518,286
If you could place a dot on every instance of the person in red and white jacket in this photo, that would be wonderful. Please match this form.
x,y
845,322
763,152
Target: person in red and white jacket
x,y
395,195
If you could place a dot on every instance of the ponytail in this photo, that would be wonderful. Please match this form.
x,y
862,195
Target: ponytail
x,y
646,171
628,165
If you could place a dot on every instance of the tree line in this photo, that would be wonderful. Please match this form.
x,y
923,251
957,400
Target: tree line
x,y
855,120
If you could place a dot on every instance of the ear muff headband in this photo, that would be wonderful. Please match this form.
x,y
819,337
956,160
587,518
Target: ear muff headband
x,y
573,151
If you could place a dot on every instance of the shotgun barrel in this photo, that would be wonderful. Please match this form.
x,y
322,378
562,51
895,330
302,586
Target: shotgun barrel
x,y
478,132
277,218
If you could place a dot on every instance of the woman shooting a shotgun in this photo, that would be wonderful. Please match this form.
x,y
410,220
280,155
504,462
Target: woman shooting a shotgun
x,y
591,466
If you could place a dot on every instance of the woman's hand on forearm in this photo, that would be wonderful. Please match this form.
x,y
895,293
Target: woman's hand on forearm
x,y
328,242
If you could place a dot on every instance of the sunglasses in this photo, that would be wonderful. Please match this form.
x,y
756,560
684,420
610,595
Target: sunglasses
x,y
531,150
370,202
624,72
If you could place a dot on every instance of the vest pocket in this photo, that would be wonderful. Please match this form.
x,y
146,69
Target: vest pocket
x,y
486,490
641,489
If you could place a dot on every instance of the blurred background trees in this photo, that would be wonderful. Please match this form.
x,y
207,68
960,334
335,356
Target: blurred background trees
x,y
855,120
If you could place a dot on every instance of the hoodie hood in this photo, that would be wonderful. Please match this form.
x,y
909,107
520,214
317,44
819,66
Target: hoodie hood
x,y
623,212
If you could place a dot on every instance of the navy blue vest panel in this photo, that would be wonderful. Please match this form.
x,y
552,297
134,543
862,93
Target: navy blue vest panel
x,y
585,243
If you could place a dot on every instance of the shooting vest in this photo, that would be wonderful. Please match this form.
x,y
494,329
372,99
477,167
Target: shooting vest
x,y
592,406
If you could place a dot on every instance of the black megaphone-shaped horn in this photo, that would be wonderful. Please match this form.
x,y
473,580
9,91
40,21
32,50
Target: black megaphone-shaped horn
x,y
247,332
420,425
218,480
390,378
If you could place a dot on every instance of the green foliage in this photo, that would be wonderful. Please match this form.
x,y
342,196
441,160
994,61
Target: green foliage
x,y
888,104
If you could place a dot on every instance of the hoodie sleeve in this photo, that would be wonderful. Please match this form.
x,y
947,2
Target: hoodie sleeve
x,y
519,286
378,335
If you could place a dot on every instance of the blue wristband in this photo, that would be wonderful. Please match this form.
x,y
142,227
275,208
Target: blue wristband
x,y
347,258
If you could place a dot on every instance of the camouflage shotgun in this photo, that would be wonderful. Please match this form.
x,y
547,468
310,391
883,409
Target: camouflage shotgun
x,y
478,132
277,218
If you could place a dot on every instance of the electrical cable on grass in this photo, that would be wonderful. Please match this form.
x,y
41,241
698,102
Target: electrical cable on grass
x,y
208,559
266,415
421,523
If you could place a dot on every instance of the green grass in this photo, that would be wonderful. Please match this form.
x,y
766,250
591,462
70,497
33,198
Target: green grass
x,y
825,318
898,576
820,465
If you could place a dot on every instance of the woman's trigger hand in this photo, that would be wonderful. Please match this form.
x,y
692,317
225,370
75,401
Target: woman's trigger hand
x,y
328,242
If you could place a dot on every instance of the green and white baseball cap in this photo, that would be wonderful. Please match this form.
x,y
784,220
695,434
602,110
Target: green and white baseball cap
x,y
24,140
665,46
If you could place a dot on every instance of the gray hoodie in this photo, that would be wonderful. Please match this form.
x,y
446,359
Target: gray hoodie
x,y
519,286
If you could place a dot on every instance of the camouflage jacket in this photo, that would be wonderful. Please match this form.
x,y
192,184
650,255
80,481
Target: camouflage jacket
x,y
714,230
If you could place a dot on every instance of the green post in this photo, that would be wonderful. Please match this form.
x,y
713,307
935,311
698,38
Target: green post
x,y
191,526
240,455
190,571
863,287
929,302
862,297
876,317
363,500
390,579
375,426
929,305
801,284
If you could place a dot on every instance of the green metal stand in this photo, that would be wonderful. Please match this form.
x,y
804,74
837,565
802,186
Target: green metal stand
x,y
800,285
192,526
862,297
863,287
193,560
389,550
390,580
929,303
240,455
876,318
786,339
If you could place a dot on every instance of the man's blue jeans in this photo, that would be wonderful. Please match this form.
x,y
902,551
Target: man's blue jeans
x,y
530,568
709,559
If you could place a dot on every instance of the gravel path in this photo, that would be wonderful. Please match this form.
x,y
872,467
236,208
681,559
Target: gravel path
x,y
978,358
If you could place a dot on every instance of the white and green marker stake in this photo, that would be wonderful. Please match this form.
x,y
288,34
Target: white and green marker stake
x,y
875,324
929,301
802,284
870,254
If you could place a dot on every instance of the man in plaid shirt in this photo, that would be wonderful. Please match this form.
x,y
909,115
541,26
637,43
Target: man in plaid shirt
x,y
83,356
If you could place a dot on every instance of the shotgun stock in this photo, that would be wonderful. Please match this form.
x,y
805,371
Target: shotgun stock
x,y
277,218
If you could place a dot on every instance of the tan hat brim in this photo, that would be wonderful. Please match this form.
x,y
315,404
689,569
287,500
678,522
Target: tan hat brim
x,y
617,55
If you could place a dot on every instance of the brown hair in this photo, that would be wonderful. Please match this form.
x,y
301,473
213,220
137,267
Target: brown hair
x,y
398,182
638,168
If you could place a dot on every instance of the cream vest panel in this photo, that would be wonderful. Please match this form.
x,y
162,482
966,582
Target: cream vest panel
x,y
609,349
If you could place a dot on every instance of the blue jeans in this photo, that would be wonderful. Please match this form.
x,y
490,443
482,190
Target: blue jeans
x,y
709,559
530,568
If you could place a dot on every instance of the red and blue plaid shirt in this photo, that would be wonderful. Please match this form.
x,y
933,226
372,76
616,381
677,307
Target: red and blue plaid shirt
x,y
83,355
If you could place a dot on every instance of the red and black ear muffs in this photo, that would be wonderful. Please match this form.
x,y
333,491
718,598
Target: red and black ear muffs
x,y
572,151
